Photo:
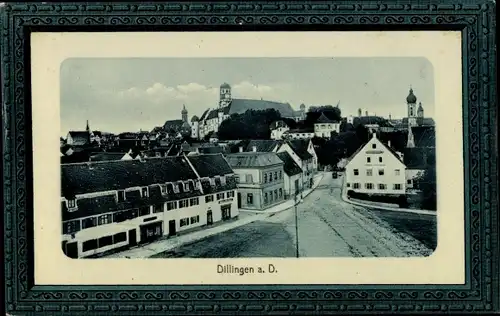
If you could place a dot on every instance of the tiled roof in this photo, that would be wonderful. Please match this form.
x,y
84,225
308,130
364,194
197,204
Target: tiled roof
x,y
242,105
173,125
212,114
418,157
90,206
290,167
252,160
324,119
118,175
262,145
207,188
106,156
300,147
210,165
204,115
424,136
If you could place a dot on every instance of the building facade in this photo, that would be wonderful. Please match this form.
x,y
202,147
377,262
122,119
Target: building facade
x,y
299,151
278,129
324,127
260,178
118,204
292,176
375,169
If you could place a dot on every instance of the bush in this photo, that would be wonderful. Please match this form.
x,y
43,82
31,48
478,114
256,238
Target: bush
x,y
400,200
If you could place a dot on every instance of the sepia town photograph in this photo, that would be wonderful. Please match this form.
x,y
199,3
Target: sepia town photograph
x,y
248,157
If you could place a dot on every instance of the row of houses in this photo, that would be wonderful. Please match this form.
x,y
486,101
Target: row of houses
x,y
323,127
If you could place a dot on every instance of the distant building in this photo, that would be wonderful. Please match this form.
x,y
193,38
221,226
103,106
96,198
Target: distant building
x,y
375,168
115,204
305,133
260,179
212,118
324,126
278,128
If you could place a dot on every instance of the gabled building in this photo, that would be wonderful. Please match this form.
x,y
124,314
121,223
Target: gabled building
x,y
324,126
111,205
304,155
278,128
292,175
260,179
375,168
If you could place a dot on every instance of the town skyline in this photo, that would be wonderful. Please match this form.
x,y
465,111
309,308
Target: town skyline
x,y
98,89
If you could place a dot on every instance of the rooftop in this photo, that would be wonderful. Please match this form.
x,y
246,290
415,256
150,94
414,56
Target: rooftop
x,y
253,160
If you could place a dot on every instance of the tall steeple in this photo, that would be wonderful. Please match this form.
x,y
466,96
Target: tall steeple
x,y
411,139
87,128
184,114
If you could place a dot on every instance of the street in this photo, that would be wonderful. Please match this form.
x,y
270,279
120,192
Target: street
x,y
327,227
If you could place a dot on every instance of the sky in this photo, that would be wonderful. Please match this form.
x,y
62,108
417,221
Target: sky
x,y
132,94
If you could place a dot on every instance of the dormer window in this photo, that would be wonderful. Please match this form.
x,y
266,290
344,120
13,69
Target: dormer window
x,y
176,187
212,181
186,186
145,192
71,204
163,188
223,180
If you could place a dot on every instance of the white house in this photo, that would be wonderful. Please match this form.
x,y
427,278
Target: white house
x,y
278,128
298,134
323,127
104,209
292,172
299,151
375,169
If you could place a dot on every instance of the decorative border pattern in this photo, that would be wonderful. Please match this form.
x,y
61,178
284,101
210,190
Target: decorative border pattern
x,y
476,20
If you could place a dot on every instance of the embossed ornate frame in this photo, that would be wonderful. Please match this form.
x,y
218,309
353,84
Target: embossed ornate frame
x,y
476,21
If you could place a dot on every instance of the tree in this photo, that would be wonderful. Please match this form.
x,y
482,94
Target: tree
x,y
252,124
426,183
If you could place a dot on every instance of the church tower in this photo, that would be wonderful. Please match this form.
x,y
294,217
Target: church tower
x,y
184,114
225,95
411,101
420,114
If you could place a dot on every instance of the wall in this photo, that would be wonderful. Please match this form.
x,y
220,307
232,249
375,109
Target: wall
x,y
389,164
289,182
411,175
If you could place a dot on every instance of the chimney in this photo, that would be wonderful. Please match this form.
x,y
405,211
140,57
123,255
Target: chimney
x,y
241,149
254,149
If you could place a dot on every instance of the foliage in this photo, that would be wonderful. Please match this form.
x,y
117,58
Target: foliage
x,y
333,113
250,125
400,200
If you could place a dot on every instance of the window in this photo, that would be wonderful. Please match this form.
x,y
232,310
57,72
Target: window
x,y
374,146
348,185
368,186
143,211
105,241
194,201
275,194
195,219
250,199
209,198
379,159
163,188
171,206
265,177
270,177
145,192
104,219
368,159
184,222
237,178
183,203
281,174
396,186
271,197
249,178
121,196
220,196
71,203
89,245
175,186
275,175
409,181
397,172
230,194
380,172
223,180
89,222
158,208
71,227
382,186
356,172
265,198
281,192
356,186
120,237
369,172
